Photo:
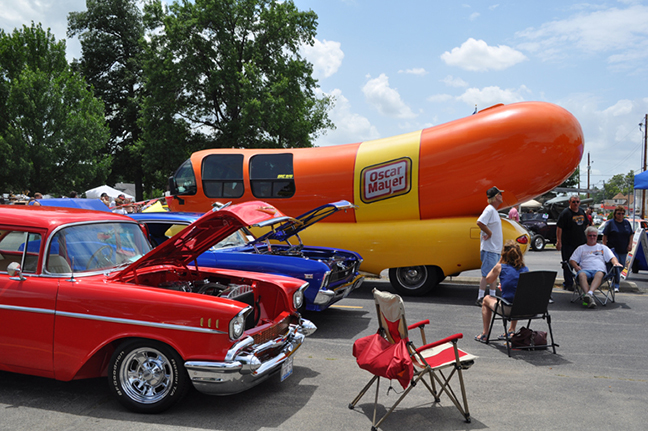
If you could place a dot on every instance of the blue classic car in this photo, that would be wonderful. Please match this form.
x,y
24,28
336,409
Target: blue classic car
x,y
331,273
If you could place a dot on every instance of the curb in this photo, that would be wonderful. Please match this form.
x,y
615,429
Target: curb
x,y
624,285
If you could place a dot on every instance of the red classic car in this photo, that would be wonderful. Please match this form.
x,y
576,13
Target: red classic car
x,y
83,295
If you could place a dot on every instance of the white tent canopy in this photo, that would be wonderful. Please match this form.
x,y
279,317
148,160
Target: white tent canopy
x,y
113,193
531,204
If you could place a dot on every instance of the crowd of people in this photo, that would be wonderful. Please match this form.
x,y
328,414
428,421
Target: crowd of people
x,y
577,241
120,204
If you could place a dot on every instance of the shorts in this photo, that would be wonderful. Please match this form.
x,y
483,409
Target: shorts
x,y
503,309
589,272
489,260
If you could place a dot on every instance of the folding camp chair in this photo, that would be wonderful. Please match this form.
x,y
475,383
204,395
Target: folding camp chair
x,y
431,359
604,293
531,302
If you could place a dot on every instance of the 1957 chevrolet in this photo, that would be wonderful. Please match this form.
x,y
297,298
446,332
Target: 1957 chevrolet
x,y
82,295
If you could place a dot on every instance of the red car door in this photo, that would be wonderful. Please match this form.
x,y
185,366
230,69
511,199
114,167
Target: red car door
x,y
27,306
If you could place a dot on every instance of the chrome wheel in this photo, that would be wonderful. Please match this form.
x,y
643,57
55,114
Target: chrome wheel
x,y
146,375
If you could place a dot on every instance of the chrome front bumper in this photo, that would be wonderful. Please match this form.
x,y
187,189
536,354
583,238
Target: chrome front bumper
x,y
242,368
327,297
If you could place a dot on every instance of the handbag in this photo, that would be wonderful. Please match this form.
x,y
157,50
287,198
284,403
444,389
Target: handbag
x,y
526,338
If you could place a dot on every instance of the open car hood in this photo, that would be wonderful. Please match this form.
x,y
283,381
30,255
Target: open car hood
x,y
199,236
285,227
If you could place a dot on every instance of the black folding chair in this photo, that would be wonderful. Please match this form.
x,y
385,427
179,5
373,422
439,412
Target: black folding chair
x,y
604,293
531,302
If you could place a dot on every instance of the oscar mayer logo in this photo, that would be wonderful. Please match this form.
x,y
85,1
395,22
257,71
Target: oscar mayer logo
x,y
386,180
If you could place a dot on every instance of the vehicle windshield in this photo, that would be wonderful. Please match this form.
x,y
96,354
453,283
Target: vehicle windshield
x,y
95,247
237,239
534,216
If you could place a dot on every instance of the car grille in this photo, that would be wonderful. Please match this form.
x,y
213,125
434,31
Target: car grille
x,y
341,271
278,330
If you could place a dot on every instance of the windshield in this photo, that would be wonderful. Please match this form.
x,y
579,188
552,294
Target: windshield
x,y
95,247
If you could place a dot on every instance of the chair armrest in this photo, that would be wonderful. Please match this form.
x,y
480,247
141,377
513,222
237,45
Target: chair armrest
x,y
454,337
421,323
504,301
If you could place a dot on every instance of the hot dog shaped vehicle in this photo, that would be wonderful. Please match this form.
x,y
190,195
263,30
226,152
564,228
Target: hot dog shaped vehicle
x,y
418,195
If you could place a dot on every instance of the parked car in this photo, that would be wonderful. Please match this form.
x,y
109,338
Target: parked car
x,y
82,295
332,273
542,223
541,228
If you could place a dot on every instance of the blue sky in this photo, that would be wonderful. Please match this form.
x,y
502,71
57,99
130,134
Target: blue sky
x,y
397,67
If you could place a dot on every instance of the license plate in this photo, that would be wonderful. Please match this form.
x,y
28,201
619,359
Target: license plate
x,y
286,368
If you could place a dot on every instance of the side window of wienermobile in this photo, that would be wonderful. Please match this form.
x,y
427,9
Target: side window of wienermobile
x,y
271,176
222,176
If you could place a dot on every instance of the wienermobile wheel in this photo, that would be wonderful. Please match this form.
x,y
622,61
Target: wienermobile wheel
x,y
414,280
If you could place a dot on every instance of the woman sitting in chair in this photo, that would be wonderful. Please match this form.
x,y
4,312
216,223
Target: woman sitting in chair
x,y
509,268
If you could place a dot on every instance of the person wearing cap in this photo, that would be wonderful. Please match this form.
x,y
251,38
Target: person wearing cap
x,y
490,240
570,234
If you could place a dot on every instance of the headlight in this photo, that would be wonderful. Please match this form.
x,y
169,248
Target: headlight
x,y
237,324
298,296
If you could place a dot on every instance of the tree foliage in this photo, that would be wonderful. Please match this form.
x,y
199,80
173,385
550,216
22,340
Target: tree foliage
x,y
111,33
51,125
228,73
619,183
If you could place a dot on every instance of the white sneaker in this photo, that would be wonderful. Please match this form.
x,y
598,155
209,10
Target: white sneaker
x,y
590,300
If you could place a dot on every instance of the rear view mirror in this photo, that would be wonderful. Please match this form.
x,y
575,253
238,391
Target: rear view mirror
x,y
14,270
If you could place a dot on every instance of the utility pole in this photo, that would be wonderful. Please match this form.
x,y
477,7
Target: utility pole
x,y
588,174
643,192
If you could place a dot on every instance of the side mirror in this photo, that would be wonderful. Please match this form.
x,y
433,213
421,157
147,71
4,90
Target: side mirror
x,y
14,270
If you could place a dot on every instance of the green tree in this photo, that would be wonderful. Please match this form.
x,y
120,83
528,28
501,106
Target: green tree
x,y
52,126
619,184
228,73
573,180
111,34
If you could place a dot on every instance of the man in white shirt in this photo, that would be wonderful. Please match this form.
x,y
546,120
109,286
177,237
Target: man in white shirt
x,y
490,240
589,261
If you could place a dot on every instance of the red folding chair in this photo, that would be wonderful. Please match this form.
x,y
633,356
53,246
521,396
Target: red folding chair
x,y
390,354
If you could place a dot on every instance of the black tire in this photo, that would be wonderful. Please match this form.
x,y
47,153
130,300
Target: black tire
x,y
537,242
414,280
147,376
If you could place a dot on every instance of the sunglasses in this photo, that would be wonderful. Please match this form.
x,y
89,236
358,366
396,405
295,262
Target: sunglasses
x,y
592,235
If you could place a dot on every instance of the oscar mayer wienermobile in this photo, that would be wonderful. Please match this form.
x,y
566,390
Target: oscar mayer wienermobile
x,y
417,195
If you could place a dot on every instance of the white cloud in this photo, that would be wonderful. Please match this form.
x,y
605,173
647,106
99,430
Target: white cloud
x,y
622,107
477,56
473,16
385,99
621,32
451,81
415,71
350,127
612,134
490,96
326,57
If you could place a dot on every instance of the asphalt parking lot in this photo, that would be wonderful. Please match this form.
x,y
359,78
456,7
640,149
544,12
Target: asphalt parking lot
x,y
597,380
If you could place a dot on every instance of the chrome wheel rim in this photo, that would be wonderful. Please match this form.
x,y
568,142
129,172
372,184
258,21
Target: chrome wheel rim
x,y
146,375
412,277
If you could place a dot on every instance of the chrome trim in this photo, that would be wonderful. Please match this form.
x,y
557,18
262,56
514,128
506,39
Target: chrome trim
x,y
111,319
140,323
242,369
26,309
